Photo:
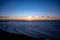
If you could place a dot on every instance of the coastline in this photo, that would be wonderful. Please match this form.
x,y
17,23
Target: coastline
x,y
29,21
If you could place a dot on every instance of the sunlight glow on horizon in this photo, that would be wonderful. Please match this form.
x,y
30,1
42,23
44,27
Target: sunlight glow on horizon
x,y
30,18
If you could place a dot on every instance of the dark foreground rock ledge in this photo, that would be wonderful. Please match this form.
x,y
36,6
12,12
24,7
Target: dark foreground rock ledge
x,y
10,36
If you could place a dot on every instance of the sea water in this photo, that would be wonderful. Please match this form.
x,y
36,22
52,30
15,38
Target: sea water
x,y
33,28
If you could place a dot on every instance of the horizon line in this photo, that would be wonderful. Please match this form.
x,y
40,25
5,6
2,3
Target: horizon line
x,y
29,18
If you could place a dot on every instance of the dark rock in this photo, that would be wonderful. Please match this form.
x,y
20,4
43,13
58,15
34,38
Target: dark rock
x,y
10,36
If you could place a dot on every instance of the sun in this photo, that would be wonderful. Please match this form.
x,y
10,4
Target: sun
x,y
29,18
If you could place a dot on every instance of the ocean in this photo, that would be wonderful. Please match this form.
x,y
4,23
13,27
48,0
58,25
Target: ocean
x,y
46,29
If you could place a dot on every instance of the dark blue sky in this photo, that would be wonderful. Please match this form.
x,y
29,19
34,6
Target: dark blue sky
x,y
29,8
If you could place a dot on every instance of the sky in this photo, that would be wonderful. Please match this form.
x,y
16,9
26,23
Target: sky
x,y
29,8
